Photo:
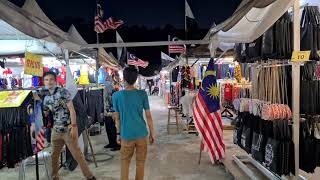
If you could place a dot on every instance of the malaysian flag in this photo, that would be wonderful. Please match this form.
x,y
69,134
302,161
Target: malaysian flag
x,y
135,61
103,25
39,128
207,116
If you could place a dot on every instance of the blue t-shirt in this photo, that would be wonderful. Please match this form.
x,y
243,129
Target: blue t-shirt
x,y
130,105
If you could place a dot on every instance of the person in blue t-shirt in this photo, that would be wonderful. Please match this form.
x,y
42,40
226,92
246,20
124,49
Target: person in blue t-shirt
x,y
132,130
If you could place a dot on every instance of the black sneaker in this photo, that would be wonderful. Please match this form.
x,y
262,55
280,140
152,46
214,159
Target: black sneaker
x,y
117,148
108,146
92,178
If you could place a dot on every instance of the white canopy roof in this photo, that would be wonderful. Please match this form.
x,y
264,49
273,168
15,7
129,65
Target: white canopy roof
x,y
28,28
249,22
31,21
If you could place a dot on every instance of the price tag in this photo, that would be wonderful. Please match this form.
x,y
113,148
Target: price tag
x,y
300,56
318,53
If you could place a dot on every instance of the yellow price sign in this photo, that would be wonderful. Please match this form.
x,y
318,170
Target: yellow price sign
x,y
300,56
318,53
33,64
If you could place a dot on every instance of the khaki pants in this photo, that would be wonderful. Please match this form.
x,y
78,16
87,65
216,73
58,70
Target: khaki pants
x,y
127,150
58,140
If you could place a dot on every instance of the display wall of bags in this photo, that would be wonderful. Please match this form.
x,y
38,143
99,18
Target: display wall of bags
x,y
310,31
269,142
310,89
309,144
277,42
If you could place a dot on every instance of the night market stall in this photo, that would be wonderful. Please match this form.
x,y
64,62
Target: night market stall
x,y
273,125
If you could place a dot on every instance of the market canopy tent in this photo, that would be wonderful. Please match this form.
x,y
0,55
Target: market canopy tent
x,y
14,42
28,28
250,21
33,22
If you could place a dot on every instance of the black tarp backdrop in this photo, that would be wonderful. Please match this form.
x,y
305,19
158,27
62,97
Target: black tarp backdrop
x,y
145,20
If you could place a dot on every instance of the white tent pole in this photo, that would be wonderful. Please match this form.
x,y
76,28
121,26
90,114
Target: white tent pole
x,y
66,56
296,85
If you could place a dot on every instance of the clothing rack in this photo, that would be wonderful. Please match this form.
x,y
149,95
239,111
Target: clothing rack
x,y
86,134
36,155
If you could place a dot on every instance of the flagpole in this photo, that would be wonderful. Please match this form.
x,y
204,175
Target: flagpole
x,y
97,62
170,73
186,29
201,149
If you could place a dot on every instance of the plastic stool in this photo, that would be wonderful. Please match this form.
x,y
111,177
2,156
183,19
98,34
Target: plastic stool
x,y
43,155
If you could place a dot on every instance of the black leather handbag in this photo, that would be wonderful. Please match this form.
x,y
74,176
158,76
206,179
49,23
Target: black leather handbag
x,y
308,147
272,151
246,139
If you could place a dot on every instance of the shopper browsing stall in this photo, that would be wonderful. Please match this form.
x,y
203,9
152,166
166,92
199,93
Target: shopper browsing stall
x,y
58,101
109,122
128,106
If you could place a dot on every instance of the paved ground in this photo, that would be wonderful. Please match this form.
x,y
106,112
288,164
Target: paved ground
x,y
172,157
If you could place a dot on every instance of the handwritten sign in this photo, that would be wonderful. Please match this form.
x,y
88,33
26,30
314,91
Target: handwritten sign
x,y
300,56
33,64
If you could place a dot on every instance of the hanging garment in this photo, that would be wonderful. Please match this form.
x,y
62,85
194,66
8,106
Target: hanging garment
x,y
102,75
310,31
308,163
258,142
240,53
84,77
15,132
35,81
228,95
61,78
95,105
254,50
27,80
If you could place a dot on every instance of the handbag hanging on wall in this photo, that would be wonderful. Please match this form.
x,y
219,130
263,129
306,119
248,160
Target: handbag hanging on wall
x,y
272,151
237,130
246,135
258,143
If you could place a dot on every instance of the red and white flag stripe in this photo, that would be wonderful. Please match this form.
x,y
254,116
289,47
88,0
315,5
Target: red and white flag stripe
x,y
40,139
177,49
99,26
109,24
140,63
209,126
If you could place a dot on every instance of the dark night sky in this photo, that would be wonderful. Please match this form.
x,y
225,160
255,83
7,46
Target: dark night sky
x,y
145,20
148,13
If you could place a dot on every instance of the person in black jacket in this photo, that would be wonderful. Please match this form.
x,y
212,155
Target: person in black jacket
x,y
108,120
